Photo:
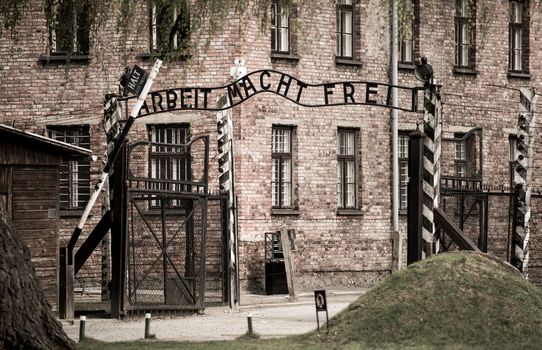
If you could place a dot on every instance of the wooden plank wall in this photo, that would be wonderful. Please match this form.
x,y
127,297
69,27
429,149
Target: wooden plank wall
x,y
35,216
13,152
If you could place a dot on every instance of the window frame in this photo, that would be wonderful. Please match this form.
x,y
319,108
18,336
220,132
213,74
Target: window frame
x,y
78,196
341,9
342,163
160,153
281,157
59,27
460,21
523,44
403,162
155,37
277,27
402,43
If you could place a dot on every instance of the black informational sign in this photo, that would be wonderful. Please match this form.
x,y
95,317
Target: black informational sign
x,y
321,305
320,300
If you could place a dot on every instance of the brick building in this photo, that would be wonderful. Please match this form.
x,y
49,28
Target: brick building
x,y
325,172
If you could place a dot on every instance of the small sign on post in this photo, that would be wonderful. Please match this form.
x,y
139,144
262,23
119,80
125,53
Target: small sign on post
x,y
321,305
135,81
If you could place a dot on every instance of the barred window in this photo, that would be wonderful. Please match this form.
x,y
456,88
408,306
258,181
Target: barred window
x,y
168,159
281,182
74,175
346,169
68,27
280,27
464,33
345,29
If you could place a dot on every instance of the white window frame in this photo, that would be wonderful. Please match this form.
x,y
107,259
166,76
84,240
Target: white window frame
x,y
280,27
282,167
344,29
347,168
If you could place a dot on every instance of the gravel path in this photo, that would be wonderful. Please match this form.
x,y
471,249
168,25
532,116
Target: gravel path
x,y
273,316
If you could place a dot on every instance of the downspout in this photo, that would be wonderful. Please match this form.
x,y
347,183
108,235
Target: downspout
x,y
397,246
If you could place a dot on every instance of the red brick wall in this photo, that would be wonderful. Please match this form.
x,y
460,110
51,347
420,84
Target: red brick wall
x,y
348,250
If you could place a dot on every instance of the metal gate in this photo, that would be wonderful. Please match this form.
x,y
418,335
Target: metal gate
x,y
468,210
167,202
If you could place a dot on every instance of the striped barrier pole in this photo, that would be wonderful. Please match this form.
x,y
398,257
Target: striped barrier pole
x,y
522,180
432,128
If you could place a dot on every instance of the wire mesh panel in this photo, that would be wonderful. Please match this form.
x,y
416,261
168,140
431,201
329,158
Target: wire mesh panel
x,y
166,248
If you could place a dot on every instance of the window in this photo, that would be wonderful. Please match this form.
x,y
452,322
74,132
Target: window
x,y
464,33
403,171
512,144
280,27
519,38
68,27
162,19
168,161
74,176
346,169
281,182
345,29
460,159
512,155
406,33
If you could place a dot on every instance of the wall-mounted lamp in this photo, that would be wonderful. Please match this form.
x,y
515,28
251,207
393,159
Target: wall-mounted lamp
x,y
424,71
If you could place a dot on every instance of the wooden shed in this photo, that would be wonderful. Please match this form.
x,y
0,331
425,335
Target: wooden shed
x,y
29,176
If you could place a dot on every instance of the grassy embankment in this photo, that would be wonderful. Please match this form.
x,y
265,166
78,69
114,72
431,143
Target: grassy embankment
x,y
451,301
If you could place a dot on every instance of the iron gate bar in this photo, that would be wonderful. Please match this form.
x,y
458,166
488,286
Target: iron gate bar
x,y
136,285
164,233
184,286
203,240
185,195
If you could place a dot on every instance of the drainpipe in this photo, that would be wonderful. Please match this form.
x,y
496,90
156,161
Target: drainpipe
x,y
397,246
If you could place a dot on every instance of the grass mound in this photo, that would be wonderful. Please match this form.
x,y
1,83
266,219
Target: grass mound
x,y
454,298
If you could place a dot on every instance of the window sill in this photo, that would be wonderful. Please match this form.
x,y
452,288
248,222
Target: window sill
x,y
403,212
292,212
406,66
348,62
179,56
519,75
349,212
465,71
64,58
71,213
283,56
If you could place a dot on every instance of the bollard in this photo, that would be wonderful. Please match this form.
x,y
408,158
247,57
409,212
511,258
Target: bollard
x,y
249,319
82,321
147,326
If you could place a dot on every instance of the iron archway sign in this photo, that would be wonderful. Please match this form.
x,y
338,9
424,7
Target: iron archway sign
x,y
328,94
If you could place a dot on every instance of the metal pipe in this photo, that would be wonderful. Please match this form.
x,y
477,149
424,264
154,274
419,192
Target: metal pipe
x,y
394,127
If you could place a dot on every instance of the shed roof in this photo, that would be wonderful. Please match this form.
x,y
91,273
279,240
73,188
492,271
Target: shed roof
x,y
36,140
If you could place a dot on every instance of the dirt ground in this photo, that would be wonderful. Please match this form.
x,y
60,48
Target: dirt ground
x,y
272,316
